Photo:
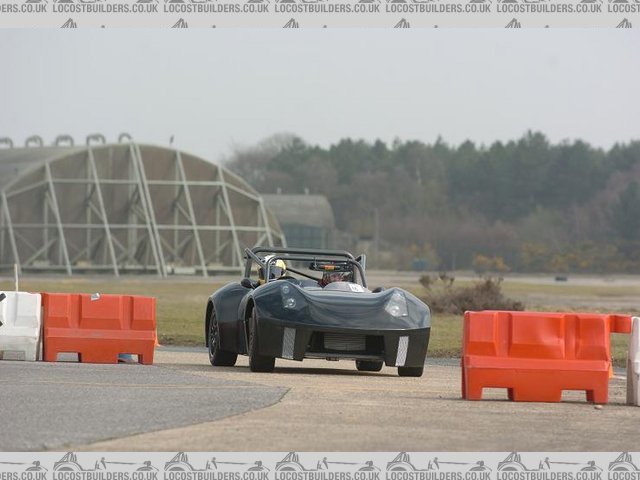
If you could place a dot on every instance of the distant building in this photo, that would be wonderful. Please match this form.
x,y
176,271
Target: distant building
x,y
124,207
305,220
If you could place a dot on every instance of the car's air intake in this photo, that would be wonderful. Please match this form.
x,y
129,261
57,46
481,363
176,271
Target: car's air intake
x,y
345,342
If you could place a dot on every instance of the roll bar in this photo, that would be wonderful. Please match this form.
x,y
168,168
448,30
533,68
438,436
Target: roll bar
x,y
303,251
298,255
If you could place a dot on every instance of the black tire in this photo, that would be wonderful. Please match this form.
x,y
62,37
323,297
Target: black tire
x,y
410,371
369,365
258,363
217,356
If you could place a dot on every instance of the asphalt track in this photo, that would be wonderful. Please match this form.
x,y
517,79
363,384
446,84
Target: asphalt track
x,y
47,406
182,403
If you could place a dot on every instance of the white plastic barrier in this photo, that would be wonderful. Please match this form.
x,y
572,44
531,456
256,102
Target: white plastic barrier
x,y
20,326
633,364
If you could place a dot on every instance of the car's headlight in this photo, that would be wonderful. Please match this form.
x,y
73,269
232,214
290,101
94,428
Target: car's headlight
x,y
397,305
288,301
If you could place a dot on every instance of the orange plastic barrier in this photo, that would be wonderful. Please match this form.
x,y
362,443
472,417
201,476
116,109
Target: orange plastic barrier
x,y
536,356
99,327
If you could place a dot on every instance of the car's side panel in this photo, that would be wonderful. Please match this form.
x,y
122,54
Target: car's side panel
x,y
242,316
226,302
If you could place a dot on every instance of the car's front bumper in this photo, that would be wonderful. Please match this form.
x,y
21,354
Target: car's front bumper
x,y
291,340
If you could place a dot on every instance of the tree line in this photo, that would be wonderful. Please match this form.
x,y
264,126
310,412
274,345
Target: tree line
x,y
524,205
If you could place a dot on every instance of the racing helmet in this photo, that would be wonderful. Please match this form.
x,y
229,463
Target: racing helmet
x,y
277,269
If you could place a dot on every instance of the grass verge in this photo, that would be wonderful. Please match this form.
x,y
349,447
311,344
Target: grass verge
x,y
181,309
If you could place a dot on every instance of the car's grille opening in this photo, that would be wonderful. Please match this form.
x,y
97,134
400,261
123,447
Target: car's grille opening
x,y
330,342
342,342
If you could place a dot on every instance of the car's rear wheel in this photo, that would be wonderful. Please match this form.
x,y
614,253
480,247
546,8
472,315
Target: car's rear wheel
x,y
410,371
257,363
369,365
217,356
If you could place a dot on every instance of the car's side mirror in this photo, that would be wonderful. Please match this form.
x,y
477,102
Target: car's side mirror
x,y
246,283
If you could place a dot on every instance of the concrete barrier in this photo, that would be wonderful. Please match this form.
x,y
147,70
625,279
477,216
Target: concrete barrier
x,y
99,328
537,355
20,326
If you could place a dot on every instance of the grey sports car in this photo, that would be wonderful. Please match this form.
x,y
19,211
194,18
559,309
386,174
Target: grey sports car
x,y
315,304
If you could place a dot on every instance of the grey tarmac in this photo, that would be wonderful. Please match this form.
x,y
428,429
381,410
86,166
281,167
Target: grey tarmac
x,y
330,406
51,406
183,404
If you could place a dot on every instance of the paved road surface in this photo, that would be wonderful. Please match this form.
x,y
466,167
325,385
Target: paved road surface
x,y
48,406
182,403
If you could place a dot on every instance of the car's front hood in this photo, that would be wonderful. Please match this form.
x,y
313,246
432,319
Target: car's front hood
x,y
340,309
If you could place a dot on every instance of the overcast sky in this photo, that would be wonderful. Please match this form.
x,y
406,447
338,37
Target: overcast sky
x,y
216,89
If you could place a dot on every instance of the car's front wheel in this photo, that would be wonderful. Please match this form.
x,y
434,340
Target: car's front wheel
x,y
410,371
369,365
257,363
217,356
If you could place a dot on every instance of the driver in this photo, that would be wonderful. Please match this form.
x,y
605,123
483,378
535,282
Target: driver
x,y
277,270
330,277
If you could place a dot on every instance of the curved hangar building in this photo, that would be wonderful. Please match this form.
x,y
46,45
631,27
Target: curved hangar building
x,y
124,207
